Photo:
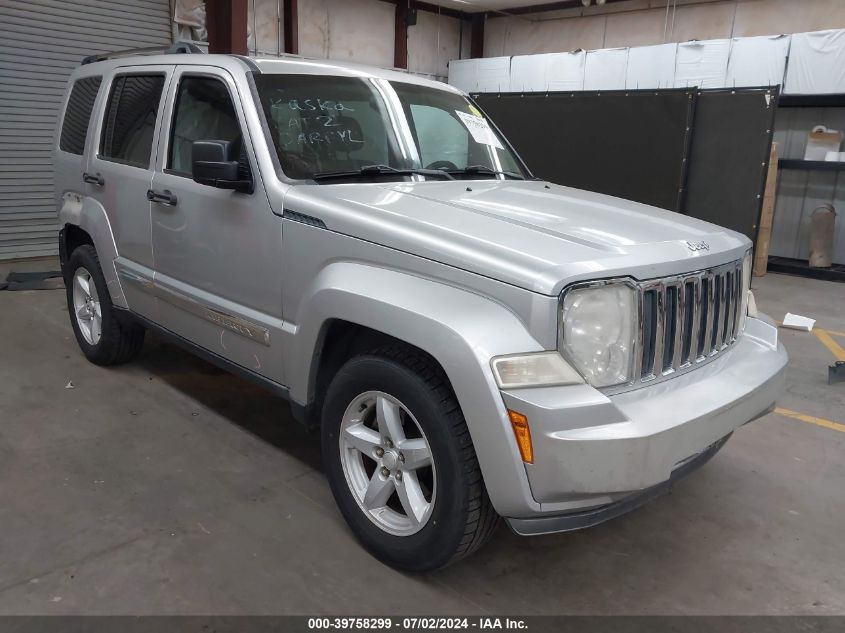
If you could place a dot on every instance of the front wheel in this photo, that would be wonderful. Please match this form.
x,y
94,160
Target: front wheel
x,y
401,464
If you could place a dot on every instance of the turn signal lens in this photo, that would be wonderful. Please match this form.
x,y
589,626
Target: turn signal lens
x,y
540,369
523,436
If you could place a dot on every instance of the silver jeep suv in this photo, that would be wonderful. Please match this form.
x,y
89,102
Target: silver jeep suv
x,y
471,342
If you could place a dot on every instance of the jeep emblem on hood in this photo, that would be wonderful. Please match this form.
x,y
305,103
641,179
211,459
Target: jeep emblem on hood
x,y
698,246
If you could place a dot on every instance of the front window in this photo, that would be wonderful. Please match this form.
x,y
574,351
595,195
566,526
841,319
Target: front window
x,y
327,126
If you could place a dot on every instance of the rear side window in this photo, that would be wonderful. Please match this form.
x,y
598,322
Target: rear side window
x,y
78,114
129,125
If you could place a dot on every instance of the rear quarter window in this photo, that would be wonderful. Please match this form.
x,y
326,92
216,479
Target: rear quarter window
x,y
78,114
129,124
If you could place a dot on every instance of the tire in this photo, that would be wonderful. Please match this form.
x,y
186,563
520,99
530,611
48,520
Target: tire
x,y
105,336
459,517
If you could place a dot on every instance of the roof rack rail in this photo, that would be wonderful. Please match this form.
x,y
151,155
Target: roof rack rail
x,y
176,47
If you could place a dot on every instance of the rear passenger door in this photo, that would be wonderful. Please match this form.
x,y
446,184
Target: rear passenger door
x,y
119,173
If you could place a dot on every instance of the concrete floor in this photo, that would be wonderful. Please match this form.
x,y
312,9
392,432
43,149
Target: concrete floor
x,y
168,487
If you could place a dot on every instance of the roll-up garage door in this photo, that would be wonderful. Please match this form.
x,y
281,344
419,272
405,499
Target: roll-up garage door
x,y
41,42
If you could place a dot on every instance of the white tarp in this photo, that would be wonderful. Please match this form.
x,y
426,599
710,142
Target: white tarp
x,y
757,61
189,16
605,69
463,74
702,64
565,71
816,63
494,74
529,73
651,67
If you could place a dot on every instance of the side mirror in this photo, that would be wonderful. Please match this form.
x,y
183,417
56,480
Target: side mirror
x,y
213,164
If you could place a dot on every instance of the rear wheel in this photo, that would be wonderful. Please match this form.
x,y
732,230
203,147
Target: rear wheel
x,y
400,461
105,336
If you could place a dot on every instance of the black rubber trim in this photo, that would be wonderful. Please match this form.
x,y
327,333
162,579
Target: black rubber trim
x,y
63,254
253,67
595,516
302,218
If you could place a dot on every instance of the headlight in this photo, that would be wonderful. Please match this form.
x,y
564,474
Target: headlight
x,y
599,331
746,290
543,369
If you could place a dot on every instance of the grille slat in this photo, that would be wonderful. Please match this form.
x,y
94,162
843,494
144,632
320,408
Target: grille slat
x,y
688,319
659,332
737,303
680,325
718,313
695,320
729,301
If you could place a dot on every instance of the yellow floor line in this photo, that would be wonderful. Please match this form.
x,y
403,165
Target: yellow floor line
x,y
827,340
835,426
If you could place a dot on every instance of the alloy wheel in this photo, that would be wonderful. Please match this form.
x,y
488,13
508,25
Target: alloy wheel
x,y
387,462
86,305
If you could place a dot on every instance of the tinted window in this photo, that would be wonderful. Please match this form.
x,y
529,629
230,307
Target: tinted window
x,y
78,114
129,125
204,112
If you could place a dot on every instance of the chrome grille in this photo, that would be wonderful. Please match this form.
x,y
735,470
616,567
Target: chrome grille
x,y
686,320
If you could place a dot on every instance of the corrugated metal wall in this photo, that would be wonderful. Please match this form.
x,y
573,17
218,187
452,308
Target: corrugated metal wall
x,y
41,42
800,192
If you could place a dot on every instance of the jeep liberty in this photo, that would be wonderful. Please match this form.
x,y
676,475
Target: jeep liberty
x,y
470,342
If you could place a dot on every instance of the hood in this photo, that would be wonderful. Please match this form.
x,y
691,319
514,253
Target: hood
x,y
531,234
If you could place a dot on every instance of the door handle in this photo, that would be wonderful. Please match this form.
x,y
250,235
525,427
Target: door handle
x,y
162,197
94,179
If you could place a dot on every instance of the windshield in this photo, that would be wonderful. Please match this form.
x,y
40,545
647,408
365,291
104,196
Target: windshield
x,y
336,126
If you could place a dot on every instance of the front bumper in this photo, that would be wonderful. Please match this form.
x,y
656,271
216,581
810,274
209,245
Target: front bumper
x,y
603,455
579,520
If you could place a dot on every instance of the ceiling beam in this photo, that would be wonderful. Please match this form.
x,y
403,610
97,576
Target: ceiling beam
x,y
432,8
542,8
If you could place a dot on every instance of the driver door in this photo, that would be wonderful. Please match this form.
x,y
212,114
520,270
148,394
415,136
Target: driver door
x,y
217,252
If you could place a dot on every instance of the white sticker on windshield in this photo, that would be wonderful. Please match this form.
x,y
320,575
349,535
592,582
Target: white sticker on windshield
x,y
480,129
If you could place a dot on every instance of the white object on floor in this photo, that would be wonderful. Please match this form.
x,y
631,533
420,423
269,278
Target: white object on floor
x,y
798,322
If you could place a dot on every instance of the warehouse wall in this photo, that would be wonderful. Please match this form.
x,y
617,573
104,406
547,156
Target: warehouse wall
x,y
350,30
433,42
642,22
363,31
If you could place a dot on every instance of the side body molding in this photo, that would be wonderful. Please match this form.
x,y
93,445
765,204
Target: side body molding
x,y
461,330
91,217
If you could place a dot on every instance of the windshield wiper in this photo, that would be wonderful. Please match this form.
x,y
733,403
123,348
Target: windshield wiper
x,y
375,171
484,169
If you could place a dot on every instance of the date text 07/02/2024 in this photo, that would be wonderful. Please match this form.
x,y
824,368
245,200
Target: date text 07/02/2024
x,y
416,623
